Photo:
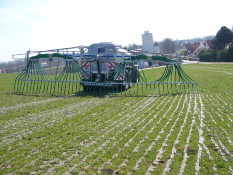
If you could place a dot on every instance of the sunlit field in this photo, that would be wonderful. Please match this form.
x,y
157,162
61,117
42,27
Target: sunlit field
x,y
189,133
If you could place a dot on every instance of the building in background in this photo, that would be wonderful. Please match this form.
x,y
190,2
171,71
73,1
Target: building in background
x,y
148,45
194,49
156,48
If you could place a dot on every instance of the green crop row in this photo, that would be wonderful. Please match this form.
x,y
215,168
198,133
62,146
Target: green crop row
x,y
189,133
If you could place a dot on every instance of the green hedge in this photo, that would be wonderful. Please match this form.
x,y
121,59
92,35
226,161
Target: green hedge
x,y
220,56
208,55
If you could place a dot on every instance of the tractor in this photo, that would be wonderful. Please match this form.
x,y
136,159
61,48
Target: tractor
x,y
107,65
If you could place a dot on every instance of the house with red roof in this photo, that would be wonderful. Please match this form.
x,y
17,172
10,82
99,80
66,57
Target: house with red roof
x,y
194,49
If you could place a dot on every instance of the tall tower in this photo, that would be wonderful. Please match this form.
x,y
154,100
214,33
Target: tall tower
x,y
147,43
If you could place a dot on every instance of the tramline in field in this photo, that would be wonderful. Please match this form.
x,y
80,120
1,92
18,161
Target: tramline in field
x,y
99,68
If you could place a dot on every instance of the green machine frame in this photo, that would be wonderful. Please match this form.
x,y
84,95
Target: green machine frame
x,y
34,78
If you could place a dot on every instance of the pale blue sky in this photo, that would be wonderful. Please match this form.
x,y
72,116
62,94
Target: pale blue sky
x,y
50,24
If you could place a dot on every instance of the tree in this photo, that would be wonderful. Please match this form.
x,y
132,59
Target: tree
x,y
230,53
133,46
222,55
208,55
168,46
223,36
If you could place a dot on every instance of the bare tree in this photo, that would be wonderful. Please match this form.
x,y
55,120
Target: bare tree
x,y
168,46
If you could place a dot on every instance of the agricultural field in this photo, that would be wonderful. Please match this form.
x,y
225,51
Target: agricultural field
x,y
189,133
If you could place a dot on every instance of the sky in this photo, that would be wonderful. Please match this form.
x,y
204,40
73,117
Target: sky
x,y
50,24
